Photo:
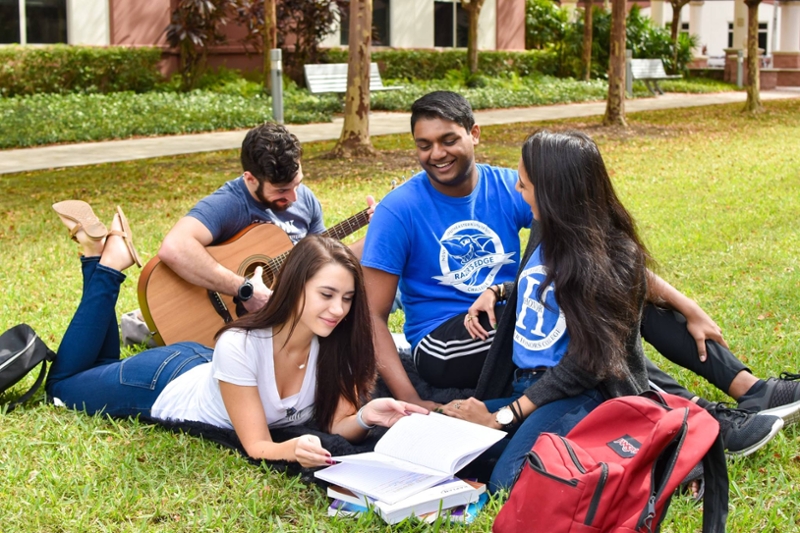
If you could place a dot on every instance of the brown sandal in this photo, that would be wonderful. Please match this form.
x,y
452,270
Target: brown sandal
x,y
127,236
81,213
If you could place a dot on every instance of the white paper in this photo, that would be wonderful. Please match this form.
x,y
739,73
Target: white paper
x,y
385,484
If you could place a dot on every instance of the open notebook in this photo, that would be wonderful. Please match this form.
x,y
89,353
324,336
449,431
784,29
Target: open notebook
x,y
416,453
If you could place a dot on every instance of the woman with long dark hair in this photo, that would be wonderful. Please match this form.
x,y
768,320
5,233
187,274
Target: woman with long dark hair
x,y
569,337
305,357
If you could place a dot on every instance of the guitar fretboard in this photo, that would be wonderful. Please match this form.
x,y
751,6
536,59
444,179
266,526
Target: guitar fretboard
x,y
338,232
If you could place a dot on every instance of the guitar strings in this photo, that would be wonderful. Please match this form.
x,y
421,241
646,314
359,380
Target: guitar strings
x,y
338,232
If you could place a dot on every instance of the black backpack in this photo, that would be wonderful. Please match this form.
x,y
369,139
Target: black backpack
x,y
21,350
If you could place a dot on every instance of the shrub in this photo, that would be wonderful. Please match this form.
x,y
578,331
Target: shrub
x,y
547,27
52,118
434,64
26,70
509,91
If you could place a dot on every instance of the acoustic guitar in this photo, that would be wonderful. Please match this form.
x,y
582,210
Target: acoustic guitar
x,y
176,310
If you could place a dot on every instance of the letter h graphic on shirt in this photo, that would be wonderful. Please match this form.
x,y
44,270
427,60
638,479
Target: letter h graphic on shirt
x,y
544,328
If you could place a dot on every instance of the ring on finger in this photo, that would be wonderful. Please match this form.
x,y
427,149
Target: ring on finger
x,y
457,405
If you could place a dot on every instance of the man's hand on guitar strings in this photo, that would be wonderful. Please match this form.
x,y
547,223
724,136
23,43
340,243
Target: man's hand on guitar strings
x,y
261,292
371,203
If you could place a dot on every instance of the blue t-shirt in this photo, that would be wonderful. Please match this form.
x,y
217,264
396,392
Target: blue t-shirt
x,y
231,208
445,250
540,333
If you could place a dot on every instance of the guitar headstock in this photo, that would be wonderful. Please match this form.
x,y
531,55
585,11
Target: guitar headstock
x,y
394,183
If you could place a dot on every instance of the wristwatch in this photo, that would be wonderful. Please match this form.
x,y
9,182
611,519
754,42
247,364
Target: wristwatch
x,y
504,417
245,291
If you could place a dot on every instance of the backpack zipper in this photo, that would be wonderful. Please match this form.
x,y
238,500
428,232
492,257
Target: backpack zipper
x,y
539,467
572,455
645,520
18,354
598,492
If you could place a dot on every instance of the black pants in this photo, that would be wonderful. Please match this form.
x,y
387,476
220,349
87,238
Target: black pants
x,y
666,331
448,357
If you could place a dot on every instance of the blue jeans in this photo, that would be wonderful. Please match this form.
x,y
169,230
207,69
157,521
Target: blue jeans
x,y
88,373
556,417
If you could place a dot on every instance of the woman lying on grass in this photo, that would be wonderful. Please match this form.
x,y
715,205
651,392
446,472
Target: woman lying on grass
x,y
306,356
570,336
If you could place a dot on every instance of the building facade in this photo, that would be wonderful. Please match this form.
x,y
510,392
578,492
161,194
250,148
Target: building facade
x,y
721,26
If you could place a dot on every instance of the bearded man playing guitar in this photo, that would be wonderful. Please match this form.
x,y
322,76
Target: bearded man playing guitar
x,y
270,190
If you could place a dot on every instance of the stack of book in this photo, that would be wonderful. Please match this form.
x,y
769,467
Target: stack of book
x,y
456,499
411,471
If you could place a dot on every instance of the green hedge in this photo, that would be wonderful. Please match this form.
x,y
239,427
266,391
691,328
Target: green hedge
x,y
61,68
434,64
53,118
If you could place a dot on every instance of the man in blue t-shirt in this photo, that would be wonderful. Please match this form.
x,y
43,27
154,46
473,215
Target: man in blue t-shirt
x,y
270,190
450,235
444,238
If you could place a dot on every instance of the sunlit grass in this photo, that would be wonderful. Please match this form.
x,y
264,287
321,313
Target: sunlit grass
x,y
717,199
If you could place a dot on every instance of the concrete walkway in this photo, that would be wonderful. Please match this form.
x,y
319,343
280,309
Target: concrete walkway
x,y
68,155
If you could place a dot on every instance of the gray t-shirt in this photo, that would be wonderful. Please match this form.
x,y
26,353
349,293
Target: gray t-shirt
x,y
231,208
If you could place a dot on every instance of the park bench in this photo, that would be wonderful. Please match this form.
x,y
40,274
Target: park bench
x,y
650,70
332,78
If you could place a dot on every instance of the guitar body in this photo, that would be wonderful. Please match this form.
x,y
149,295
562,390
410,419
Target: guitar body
x,y
178,311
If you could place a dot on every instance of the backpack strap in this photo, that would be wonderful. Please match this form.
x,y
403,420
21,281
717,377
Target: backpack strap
x,y
28,395
715,501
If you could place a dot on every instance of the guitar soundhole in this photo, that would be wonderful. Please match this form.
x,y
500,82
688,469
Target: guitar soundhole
x,y
249,268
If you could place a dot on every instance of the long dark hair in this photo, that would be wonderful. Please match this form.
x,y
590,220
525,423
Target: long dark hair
x,y
590,247
346,362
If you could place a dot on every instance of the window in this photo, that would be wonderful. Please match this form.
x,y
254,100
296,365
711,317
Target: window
x,y
33,21
762,35
450,24
685,28
380,24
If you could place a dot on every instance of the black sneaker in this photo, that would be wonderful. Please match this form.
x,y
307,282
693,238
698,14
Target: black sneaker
x,y
779,397
744,432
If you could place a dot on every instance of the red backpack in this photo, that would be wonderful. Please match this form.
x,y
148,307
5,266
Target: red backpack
x,y
617,470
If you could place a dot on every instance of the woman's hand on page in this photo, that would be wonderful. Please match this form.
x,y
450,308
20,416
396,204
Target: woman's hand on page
x,y
484,304
308,451
386,411
471,410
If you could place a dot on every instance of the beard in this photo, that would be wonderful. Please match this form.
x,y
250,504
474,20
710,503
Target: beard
x,y
280,204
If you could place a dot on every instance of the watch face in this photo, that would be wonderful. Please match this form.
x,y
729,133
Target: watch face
x,y
504,416
246,291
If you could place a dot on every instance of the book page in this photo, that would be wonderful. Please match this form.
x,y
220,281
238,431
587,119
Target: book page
x,y
437,441
385,484
381,460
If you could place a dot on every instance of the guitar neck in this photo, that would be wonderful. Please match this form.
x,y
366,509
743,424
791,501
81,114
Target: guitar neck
x,y
338,232
348,226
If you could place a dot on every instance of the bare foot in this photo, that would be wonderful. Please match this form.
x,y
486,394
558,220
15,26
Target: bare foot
x,y
115,253
89,247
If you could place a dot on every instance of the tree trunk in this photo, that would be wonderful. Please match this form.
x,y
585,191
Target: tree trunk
x,y
473,8
677,6
753,103
674,30
270,39
587,41
354,140
615,105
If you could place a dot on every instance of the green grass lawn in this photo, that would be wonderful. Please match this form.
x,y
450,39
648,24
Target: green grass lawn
x,y
716,196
